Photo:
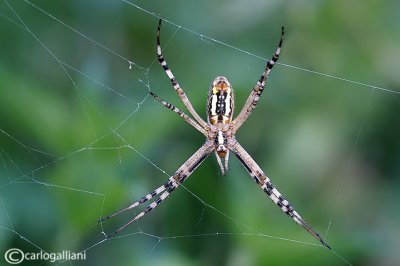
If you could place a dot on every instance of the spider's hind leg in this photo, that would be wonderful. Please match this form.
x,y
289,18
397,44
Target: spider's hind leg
x,y
179,112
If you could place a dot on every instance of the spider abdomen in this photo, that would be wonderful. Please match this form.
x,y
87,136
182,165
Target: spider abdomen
x,y
220,102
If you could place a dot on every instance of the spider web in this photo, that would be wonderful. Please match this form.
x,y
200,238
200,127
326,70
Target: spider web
x,y
81,138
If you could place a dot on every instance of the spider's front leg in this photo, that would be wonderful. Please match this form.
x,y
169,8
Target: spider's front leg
x,y
265,183
173,182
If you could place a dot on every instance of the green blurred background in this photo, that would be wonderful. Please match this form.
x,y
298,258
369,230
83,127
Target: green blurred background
x,y
80,137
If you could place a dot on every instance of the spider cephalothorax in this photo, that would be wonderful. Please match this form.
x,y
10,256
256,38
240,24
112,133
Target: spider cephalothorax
x,y
219,131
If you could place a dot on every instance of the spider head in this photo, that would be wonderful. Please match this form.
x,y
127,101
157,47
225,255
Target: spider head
x,y
220,144
222,151
220,101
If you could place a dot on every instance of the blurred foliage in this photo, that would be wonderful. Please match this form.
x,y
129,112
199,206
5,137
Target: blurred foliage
x,y
80,137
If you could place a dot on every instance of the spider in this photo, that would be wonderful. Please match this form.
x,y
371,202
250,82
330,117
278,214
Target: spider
x,y
219,131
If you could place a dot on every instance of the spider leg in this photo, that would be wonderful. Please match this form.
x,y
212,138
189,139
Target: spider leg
x,y
265,183
255,94
226,165
180,113
173,182
223,167
175,83
149,196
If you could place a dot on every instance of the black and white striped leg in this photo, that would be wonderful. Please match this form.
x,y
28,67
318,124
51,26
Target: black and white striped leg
x,y
265,183
165,190
149,196
255,94
149,208
287,208
175,83
180,113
